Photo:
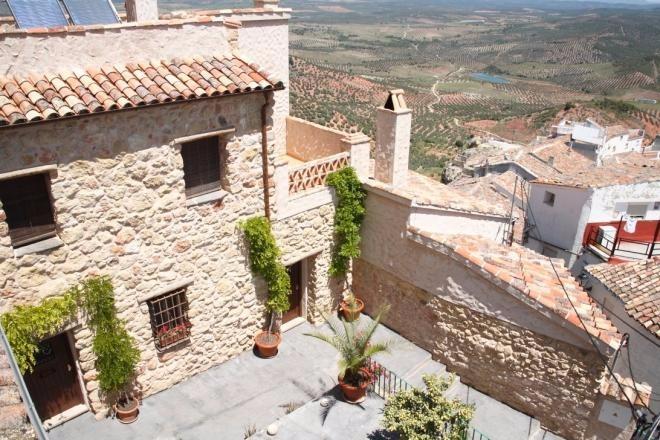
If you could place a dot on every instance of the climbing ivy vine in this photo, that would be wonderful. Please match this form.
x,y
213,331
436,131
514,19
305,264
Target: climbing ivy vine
x,y
265,261
116,353
349,215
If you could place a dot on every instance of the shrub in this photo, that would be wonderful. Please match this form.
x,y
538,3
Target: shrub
x,y
349,215
265,261
419,414
115,350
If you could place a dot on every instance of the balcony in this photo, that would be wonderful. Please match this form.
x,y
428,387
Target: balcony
x,y
312,153
613,244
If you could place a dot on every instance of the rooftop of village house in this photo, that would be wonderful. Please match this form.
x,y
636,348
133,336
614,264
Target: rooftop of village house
x,y
542,282
628,169
39,97
637,285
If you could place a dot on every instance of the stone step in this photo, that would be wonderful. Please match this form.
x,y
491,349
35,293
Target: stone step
x,y
404,357
414,377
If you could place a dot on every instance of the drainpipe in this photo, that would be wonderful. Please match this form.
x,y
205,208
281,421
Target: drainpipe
x,y
264,152
35,420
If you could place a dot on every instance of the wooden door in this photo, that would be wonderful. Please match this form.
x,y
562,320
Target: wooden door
x,y
53,384
295,297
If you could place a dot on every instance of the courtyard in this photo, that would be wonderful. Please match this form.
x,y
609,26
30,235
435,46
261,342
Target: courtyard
x,y
245,395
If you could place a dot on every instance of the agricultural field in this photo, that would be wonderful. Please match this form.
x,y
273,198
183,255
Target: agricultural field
x,y
471,70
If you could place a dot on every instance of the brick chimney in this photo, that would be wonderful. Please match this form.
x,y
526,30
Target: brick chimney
x,y
393,122
266,4
141,10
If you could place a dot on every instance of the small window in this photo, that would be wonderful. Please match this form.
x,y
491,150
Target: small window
x,y
169,319
201,165
656,206
549,198
27,205
637,210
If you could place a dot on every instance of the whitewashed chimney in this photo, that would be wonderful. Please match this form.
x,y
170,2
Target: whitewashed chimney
x,y
393,122
141,10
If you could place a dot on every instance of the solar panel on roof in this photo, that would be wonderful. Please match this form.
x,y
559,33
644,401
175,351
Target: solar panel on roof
x,y
37,13
83,12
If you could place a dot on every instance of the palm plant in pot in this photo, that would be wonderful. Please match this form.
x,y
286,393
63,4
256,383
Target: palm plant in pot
x,y
353,342
351,307
265,261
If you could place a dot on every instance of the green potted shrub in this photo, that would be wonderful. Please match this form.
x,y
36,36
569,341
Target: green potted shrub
x,y
265,261
355,349
349,216
116,353
426,414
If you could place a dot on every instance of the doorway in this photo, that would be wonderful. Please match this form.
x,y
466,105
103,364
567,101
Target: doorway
x,y
296,296
53,383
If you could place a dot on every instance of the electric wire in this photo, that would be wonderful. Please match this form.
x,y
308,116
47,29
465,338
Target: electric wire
x,y
632,376
591,339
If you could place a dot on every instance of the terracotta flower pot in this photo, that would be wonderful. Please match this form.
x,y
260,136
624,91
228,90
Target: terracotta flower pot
x,y
267,344
351,314
127,413
352,393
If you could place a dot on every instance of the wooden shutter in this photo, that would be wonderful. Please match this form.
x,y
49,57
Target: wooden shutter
x,y
27,205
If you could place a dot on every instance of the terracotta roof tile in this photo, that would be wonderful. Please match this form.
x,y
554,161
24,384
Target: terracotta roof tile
x,y
529,275
37,97
637,285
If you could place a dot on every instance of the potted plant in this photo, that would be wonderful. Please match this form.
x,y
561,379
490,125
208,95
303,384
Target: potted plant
x,y
167,336
265,261
351,307
355,349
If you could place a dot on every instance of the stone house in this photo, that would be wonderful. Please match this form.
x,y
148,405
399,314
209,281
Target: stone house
x,y
138,162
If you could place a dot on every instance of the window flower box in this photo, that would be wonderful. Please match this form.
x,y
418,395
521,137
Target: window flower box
x,y
170,336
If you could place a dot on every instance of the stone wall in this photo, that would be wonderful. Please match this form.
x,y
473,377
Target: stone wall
x,y
308,141
14,424
549,379
120,207
520,354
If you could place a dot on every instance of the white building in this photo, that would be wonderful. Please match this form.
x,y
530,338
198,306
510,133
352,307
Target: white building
x,y
600,141
585,211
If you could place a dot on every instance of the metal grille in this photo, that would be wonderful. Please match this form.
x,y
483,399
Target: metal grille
x,y
169,319
386,383
201,165
315,173
26,202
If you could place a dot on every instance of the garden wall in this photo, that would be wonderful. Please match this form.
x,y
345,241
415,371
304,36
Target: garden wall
x,y
523,356
546,378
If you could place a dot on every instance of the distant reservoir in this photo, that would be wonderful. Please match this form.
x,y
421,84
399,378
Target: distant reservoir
x,y
481,76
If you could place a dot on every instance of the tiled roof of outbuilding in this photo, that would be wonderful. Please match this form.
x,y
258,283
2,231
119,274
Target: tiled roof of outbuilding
x,y
637,284
529,276
38,97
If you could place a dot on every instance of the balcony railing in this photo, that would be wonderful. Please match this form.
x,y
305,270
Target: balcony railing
x,y
609,246
315,173
386,383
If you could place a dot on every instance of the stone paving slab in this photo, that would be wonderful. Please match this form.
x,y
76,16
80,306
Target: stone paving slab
x,y
222,402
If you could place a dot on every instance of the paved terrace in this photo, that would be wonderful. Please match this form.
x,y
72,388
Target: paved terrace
x,y
247,391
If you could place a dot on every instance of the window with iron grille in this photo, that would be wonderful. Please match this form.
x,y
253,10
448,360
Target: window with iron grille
x,y
169,319
27,205
201,165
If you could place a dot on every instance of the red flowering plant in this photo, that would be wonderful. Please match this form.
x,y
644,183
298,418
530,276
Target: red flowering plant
x,y
168,336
